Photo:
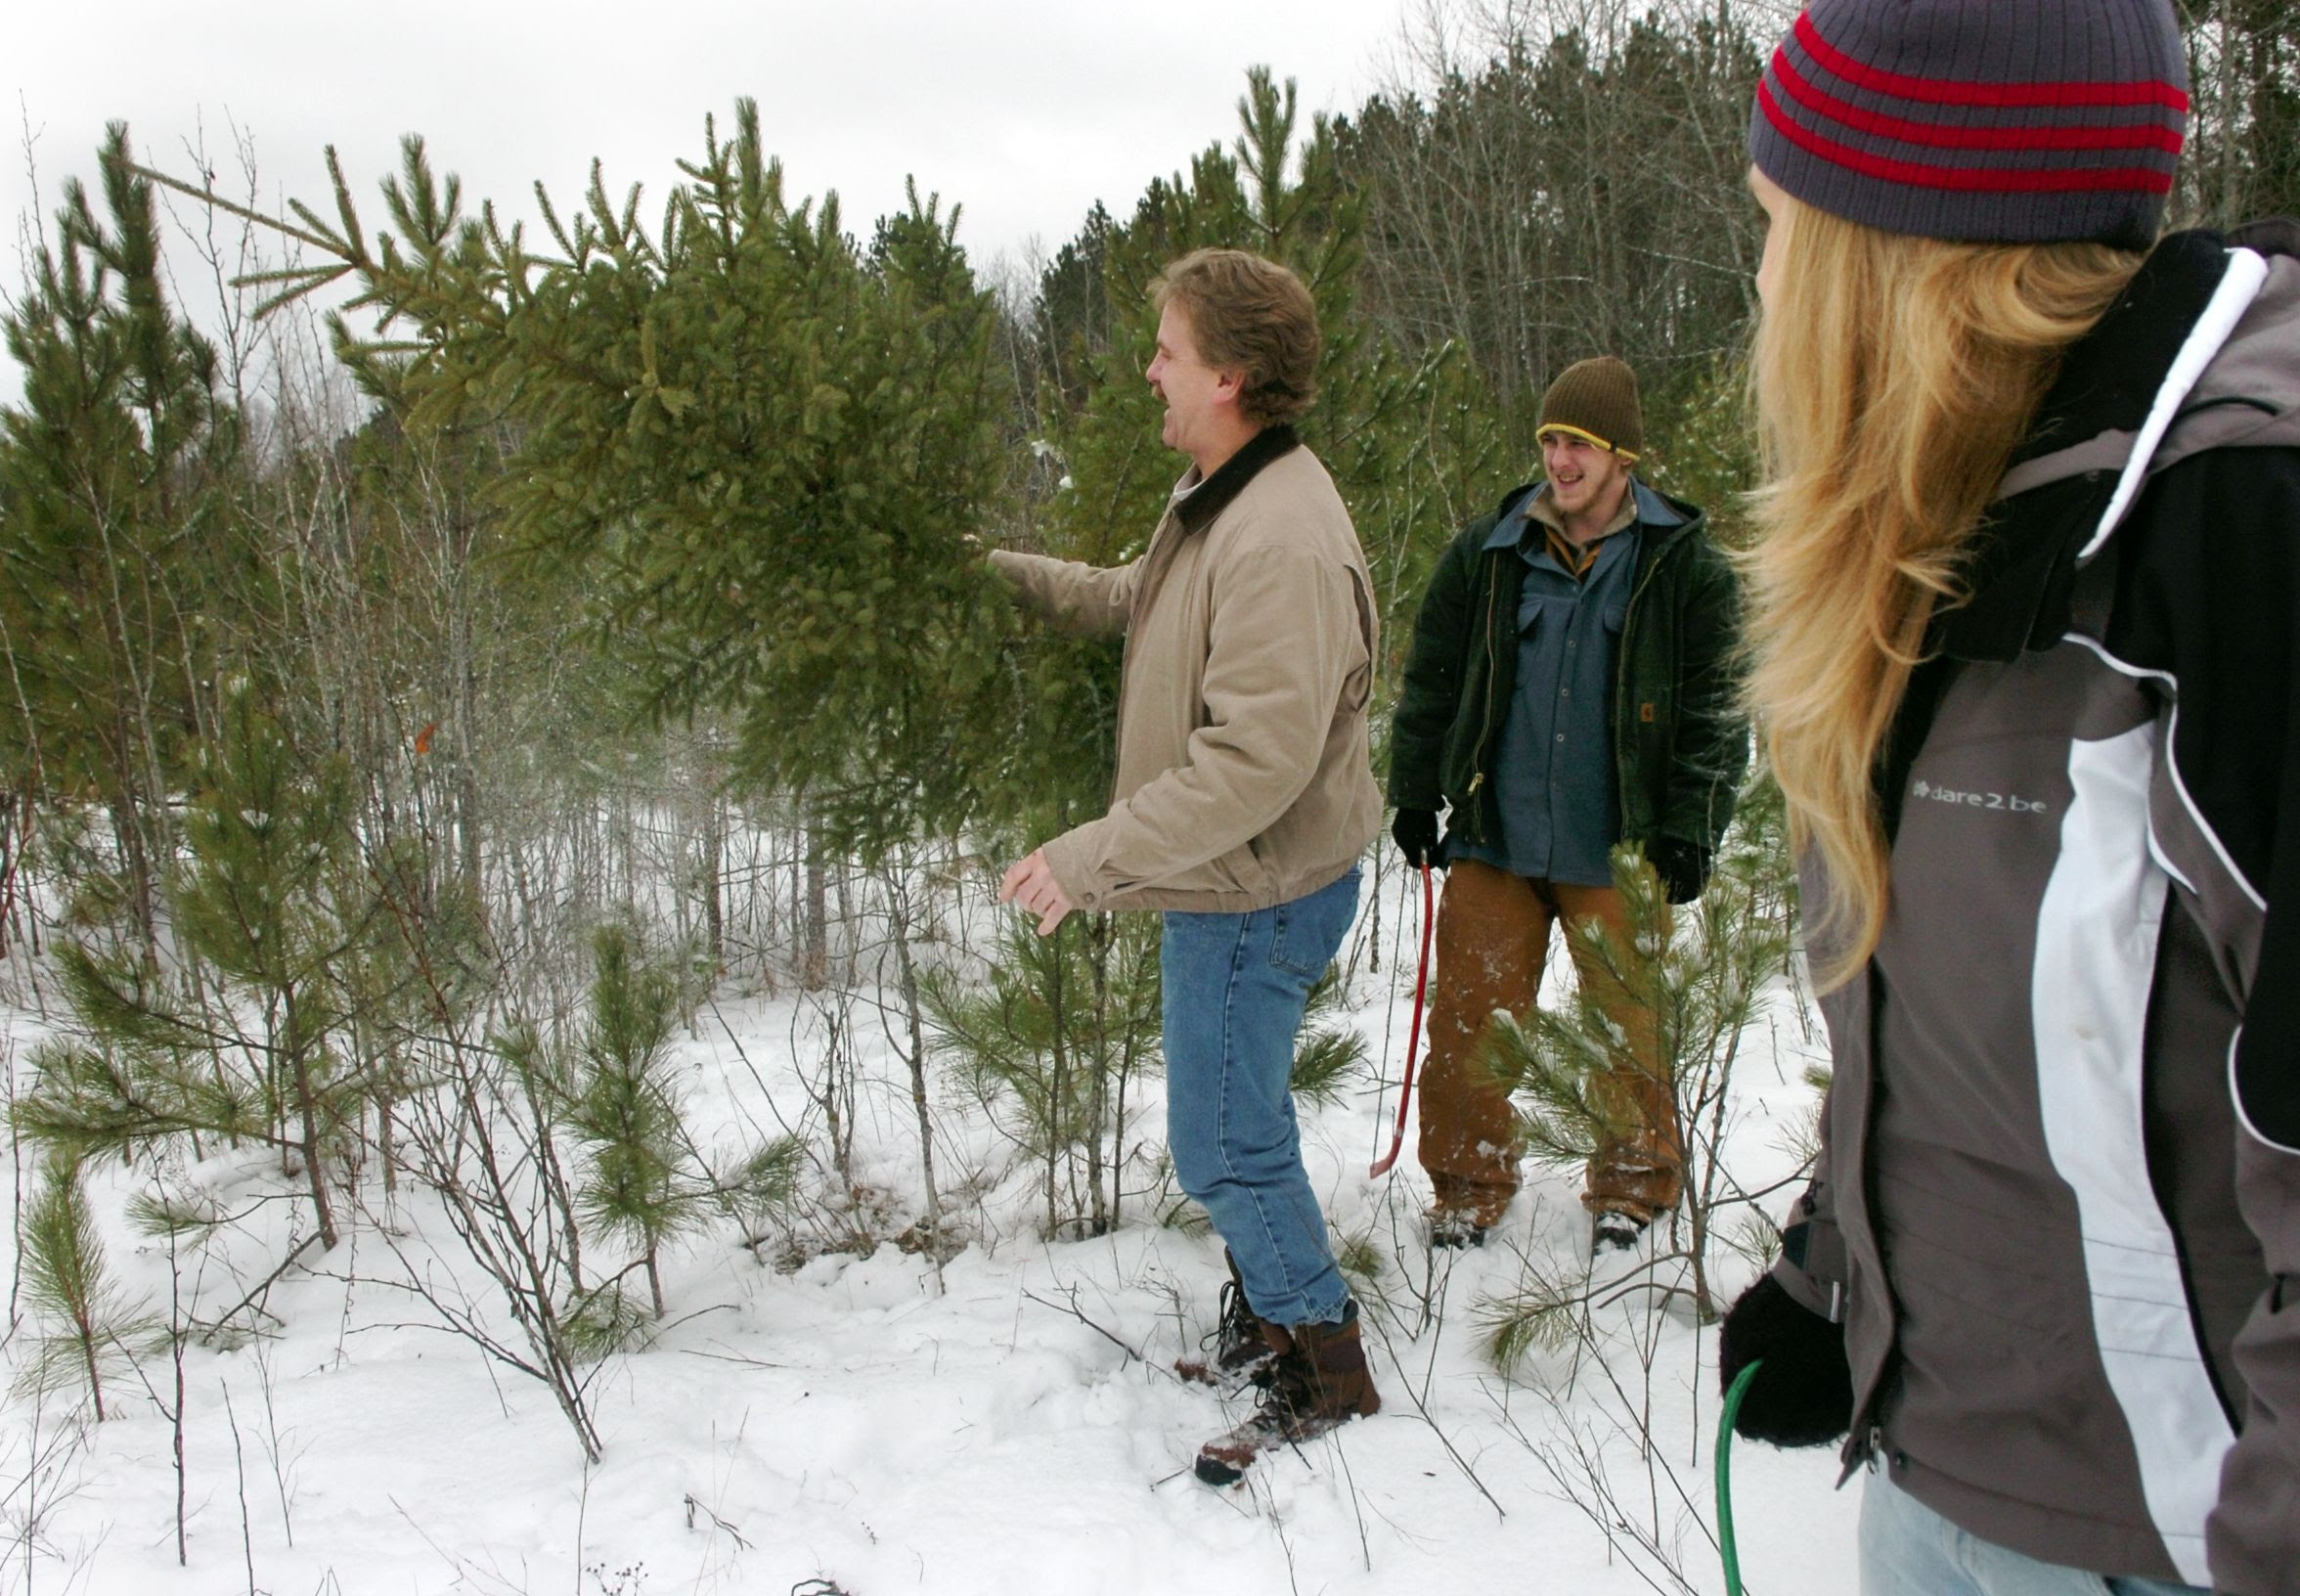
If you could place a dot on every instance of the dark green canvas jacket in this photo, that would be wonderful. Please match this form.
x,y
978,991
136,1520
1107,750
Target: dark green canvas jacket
x,y
1679,745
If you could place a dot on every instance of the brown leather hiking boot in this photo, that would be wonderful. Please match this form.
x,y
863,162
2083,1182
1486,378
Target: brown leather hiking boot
x,y
1242,1352
1318,1380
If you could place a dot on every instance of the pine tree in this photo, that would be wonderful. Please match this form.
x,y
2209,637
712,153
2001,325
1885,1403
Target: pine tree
x,y
643,1181
623,1110
1055,1021
252,1051
122,551
1696,980
1052,1045
67,1281
271,840
763,447
1330,1057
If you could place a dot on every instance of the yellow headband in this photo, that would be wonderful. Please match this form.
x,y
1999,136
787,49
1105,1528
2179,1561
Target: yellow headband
x,y
1542,432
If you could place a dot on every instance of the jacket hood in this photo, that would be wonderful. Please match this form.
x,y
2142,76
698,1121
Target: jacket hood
x,y
2195,355
1656,510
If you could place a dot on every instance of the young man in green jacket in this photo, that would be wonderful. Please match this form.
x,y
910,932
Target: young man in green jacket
x,y
1569,688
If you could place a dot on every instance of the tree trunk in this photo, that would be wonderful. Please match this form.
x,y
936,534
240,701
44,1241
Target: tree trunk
x,y
714,873
912,1015
815,956
84,1329
127,829
307,1110
1100,940
1057,1082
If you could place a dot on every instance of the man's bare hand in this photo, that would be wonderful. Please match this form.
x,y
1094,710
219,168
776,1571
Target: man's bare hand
x,y
1030,883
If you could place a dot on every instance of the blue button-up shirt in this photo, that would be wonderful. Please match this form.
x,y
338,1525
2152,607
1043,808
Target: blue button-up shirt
x,y
1554,772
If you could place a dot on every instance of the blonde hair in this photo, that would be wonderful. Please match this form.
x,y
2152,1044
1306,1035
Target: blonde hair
x,y
1893,376
1250,314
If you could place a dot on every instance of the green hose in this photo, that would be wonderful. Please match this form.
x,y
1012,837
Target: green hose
x,y
1725,1545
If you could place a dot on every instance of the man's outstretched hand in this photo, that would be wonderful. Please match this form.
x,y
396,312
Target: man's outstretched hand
x,y
1030,883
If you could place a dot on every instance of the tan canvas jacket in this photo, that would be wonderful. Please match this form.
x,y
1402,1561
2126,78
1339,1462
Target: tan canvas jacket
x,y
1245,773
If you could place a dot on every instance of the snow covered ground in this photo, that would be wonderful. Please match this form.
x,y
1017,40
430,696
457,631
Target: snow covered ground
x,y
854,1425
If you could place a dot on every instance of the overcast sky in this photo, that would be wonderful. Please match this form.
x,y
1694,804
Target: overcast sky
x,y
1026,112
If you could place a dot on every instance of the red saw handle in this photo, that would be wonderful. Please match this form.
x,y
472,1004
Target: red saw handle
x,y
1413,1037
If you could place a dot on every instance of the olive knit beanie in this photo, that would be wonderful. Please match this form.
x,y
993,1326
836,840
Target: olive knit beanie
x,y
1597,399
2010,122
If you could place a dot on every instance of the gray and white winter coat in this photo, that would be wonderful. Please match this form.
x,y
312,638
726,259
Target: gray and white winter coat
x,y
2058,1206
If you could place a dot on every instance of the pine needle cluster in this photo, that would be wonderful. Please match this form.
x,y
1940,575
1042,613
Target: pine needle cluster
x,y
96,1333
624,1113
245,1042
1329,1057
642,1180
1051,1043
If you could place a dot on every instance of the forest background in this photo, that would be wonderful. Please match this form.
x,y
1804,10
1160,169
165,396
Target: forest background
x,y
413,711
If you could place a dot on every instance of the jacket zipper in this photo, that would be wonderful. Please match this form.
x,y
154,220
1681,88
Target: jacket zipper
x,y
1485,710
1622,745
1866,1442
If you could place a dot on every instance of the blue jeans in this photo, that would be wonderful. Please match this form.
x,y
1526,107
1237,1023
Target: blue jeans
x,y
1235,989
1907,1550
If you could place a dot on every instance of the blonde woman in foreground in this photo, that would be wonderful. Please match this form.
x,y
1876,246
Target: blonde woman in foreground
x,y
2022,620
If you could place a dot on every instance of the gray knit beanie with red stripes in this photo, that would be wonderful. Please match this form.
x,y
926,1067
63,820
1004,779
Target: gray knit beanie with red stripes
x,y
2010,122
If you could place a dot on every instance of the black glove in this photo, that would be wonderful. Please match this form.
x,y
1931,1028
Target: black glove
x,y
1415,831
1803,1395
1682,867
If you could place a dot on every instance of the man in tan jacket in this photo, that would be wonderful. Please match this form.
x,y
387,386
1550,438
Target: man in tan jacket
x,y
1244,798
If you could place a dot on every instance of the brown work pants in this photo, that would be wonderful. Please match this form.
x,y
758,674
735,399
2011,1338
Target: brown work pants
x,y
1492,941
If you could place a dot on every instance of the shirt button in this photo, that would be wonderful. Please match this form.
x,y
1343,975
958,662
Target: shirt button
x,y
1561,737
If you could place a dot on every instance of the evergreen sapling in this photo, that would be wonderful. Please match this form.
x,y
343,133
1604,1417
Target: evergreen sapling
x,y
1693,982
67,1283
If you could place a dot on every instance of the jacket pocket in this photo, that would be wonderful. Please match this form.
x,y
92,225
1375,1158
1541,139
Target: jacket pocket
x,y
1649,712
1241,870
